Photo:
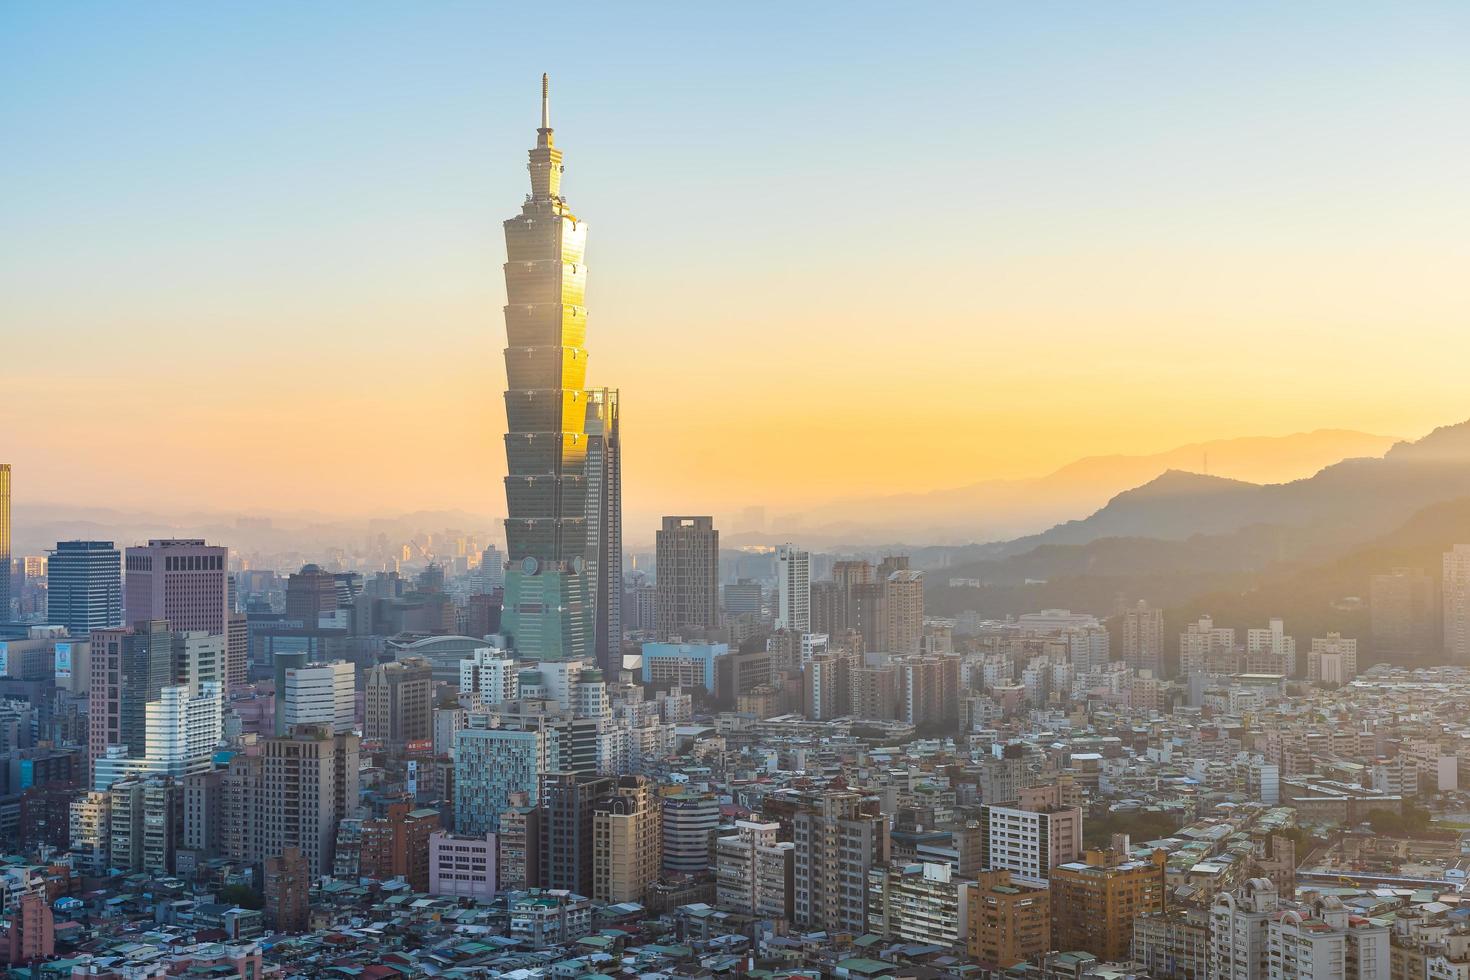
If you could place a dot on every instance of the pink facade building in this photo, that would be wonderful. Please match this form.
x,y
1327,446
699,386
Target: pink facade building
x,y
182,580
32,934
462,866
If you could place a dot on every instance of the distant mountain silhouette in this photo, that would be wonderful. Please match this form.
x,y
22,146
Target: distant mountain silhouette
x,y
1348,502
996,510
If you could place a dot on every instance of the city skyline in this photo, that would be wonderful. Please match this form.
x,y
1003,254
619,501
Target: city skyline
x,y
1214,229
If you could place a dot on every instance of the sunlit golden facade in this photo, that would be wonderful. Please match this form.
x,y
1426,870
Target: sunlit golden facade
x,y
548,599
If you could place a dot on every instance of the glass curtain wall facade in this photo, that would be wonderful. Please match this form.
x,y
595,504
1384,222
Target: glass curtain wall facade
x,y
549,593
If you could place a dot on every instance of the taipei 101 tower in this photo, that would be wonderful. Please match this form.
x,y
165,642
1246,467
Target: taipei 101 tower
x,y
550,588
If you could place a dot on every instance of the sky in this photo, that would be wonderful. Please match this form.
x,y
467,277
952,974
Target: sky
x,y
251,251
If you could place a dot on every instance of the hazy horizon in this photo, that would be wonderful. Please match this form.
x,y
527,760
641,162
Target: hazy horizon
x,y
258,250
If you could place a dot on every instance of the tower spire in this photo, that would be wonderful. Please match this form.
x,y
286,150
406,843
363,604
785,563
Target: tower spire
x,y
545,101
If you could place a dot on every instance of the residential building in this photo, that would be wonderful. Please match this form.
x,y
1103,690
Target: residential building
x,y
1095,900
1010,921
839,838
793,589
489,673
287,889
308,785
627,841
1143,638
1333,659
754,871
691,822
920,903
1029,843
683,664
903,611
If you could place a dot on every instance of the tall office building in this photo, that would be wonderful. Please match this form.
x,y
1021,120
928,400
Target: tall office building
x,y
687,593
84,586
605,524
317,694
549,595
568,802
1143,638
4,542
399,703
130,667
310,593
1455,594
182,580
793,589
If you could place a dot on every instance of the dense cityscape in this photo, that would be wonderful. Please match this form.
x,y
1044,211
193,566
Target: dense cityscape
x,y
530,751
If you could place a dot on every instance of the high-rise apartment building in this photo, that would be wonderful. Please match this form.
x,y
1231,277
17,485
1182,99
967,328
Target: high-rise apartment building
x,y
1333,659
491,766
318,694
1143,638
1030,842
1010,921
1270,650
903,611
753,871
839,838
399,703
1455,601
687,556
568,801
627,841
1094,901
489,674
1239,921
84,586
1404,607
605,524
793,589
928,689
924,903
309,784
4,542
518,844
1203,646
549,593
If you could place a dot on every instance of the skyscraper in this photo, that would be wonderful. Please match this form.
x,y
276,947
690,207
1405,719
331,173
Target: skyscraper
x,y
605,523
182,580
84,586
687,559
4,542
793,589
549,595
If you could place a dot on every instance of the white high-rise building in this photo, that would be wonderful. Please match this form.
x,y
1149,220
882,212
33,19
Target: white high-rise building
x,y
1457,604
1239,923
1269,646
1333,659
793,589
183,730
491,673
320,694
